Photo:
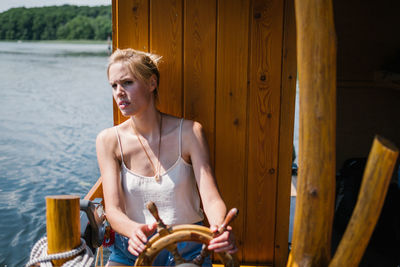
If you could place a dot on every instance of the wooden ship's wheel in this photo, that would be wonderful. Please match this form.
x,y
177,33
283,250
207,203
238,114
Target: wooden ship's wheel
x,y
168,237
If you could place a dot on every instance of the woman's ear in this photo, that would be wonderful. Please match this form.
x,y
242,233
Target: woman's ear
x,y
153,82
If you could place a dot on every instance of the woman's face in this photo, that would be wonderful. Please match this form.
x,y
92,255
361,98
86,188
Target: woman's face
x,y
131,95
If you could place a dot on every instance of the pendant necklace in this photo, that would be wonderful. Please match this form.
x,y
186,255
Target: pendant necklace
x,y
156,171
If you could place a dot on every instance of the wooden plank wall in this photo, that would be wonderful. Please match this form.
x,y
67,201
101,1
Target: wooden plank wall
x,y
223,66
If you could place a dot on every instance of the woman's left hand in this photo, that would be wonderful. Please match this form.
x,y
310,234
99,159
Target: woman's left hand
x,y
224,241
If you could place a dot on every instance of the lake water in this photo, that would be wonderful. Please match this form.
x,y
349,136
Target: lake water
x,y
55,98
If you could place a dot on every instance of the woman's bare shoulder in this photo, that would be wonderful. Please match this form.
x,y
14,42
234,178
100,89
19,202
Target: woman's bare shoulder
x,y
106,135
110,134
170,123
107,138
192,130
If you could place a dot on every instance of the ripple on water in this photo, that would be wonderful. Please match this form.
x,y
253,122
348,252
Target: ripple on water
x,y
51,111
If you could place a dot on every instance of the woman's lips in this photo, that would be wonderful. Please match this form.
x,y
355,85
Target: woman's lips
x,y
123,104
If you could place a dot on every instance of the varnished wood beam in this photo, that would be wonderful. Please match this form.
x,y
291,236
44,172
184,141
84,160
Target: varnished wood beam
x,y
316,54
376,178
96,191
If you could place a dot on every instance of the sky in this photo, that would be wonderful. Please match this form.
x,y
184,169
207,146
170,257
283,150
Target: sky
x,y
7,4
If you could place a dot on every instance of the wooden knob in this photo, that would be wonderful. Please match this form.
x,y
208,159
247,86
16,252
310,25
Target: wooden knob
x,y
153,210
232,214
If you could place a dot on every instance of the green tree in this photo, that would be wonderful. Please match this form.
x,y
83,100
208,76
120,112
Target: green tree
x,y
102,27
78,28
56,22
24,25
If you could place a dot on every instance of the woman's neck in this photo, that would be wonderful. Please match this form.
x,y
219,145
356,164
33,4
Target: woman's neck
x,y
147,124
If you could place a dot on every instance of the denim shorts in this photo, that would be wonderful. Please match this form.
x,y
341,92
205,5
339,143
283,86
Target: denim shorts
x,y
188,250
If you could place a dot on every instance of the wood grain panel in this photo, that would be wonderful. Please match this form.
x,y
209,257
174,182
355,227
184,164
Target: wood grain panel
x,y
225,73
231,103
166,40
264,115
199,65
288,97
134,16
131,30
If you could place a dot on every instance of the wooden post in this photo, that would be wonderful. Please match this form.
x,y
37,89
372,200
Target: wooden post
x,y
62,225
316,54
377,175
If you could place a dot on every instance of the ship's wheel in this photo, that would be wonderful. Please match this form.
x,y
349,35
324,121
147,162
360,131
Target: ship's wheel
x,y
168,237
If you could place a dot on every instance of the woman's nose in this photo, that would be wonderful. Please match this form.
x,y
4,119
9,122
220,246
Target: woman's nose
x,y
120,90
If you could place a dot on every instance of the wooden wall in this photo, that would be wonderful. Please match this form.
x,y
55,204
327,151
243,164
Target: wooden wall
x,y
229,64
368,73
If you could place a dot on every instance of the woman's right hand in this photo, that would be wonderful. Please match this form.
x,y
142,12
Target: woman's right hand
x,y
138,238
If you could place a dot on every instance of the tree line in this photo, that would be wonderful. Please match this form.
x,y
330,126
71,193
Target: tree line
x,y
56,23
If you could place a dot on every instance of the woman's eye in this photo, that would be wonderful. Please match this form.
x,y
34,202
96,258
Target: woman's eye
x,y
126,83
114,86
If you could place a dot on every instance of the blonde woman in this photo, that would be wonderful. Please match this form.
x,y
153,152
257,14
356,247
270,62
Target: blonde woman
x,y
154,157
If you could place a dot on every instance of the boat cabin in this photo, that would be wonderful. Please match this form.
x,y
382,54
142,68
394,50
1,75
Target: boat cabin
x,y
233,65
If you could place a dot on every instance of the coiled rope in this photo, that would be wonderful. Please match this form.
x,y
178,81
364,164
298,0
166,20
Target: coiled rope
x,y
39,255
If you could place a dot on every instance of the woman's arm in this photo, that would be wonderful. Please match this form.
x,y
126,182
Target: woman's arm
x,y
213,204
106,147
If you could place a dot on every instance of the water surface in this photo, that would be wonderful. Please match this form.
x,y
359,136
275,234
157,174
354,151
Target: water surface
x,y
55,98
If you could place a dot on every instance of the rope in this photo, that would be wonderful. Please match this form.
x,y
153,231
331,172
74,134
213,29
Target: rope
x,y
39,255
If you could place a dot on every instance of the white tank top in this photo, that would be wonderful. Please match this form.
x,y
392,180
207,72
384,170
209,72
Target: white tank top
x,y
175,195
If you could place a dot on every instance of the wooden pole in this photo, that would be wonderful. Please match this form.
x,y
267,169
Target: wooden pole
x,y
62,225
316,54
377,175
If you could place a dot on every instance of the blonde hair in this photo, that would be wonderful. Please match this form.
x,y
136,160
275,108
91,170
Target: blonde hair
x,y
142,65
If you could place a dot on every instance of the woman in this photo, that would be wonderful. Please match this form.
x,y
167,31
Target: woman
x,y
153,157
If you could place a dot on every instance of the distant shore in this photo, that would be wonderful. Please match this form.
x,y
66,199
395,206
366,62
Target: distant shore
x,y
67,22
59,41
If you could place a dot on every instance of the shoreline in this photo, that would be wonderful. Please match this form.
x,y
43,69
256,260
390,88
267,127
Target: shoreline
x,y
58,41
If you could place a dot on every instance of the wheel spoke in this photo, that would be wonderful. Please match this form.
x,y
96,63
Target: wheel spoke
x,y
201,257
177,256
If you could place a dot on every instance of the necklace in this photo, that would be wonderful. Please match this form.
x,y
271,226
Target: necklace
x,y
156,171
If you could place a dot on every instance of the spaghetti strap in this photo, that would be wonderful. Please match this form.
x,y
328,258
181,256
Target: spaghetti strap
x,y
119,143
180,138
